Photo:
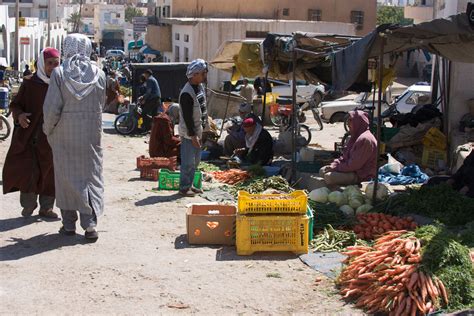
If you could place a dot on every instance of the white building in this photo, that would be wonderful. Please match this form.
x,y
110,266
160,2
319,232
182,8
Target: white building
x,y
33,37
108,17
185,39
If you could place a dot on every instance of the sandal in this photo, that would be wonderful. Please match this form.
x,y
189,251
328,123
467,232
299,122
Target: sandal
x,y
48,213
65,232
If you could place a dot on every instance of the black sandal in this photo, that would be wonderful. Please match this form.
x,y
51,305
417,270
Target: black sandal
x,y
65,232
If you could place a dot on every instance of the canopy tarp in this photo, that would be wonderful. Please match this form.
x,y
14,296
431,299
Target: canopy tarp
x,y
135,44
451,38
250,58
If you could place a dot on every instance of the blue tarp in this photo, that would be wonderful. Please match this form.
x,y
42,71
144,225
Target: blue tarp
x,y
410,174
150,51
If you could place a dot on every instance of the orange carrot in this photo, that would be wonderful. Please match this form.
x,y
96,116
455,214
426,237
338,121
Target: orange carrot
x,y
442,289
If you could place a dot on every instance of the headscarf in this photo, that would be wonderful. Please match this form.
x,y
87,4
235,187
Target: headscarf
x,y
81,75
360,123
196,66
251,140
173,113
46,53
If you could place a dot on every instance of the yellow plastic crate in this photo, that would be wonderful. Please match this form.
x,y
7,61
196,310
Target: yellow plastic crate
x,y
295,203
273,233
434,138
431,156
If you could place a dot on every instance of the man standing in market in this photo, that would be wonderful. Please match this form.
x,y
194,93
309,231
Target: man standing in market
x,y
193,120
151,99
29,163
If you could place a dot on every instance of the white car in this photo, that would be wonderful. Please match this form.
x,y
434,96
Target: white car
x,y
335,111
303,90
114,53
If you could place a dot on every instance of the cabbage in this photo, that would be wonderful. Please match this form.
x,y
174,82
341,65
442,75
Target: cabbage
x,y
336,197
356,202
320,195
364,209
347,210
352,189
382,191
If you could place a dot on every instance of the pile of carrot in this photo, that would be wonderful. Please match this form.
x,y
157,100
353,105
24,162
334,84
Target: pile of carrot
x,y
231,176
370,225
386,278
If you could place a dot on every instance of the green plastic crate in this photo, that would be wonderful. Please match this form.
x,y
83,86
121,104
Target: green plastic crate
x,y
169,180
386,133
311,224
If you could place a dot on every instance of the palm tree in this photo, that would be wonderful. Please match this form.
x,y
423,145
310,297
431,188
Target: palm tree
x,y
76,20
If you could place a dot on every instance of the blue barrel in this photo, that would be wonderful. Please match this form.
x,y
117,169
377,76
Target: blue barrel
x,y
3,98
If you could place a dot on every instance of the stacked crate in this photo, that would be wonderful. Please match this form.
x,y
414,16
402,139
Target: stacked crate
x,y
150,167
273,222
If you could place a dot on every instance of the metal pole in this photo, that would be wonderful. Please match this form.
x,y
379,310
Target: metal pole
x,y
49,23
379,117
294,116
17,35
265,80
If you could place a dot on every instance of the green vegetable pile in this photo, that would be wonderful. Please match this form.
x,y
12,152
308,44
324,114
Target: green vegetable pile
x,y
258,185
207,167
446,258
331,240
327,214
439,202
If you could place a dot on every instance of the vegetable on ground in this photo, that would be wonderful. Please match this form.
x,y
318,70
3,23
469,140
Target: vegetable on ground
x,y
371,225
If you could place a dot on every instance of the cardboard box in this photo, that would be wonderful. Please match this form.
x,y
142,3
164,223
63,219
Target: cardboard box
x,y
211,224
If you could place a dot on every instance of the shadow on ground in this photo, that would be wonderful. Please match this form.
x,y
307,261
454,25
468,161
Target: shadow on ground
x,y
181,242
154,199
22,248
230,254
17,222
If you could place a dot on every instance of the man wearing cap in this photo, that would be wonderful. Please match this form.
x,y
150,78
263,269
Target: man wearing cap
x,y
258,144
151,99
193,120
29,163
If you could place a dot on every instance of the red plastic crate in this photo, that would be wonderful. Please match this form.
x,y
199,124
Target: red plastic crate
x,y
157,162
149,173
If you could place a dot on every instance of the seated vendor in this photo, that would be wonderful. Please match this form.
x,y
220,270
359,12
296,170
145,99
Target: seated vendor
x,y
236,134
359,158
163,142
258,144
462,180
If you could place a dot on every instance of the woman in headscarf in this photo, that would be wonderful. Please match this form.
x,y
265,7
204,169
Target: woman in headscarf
x,y
29,163
258,144
358,161
73,124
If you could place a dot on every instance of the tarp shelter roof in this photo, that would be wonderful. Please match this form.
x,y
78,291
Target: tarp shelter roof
x,y
135,44
275,52
148,50
451,38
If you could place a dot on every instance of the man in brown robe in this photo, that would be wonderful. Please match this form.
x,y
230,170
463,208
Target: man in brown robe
x,y
29,163
163,142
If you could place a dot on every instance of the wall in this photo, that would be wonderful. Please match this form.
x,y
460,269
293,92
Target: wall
x,y
108,17
332,10
159,37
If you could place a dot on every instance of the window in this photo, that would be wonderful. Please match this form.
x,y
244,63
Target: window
x,y
314,15
186,38
255,34
158,12
186,54
43,14
357,17
419,98
176,54
286,12
166,11
176,36
118,15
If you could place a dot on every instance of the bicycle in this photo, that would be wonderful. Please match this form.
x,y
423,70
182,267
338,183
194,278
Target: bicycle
x,y
5,127
282,116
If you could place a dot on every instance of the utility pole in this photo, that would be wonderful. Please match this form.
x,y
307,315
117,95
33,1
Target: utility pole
x,y
49,23
17,35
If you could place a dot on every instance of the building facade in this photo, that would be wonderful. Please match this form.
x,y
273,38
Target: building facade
x,y
362,13
185,39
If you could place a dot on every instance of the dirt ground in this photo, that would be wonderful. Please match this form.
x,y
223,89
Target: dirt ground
x,y
141,263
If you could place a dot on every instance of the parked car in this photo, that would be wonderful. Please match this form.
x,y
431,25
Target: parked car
x,y
335,111
303,90
114,53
